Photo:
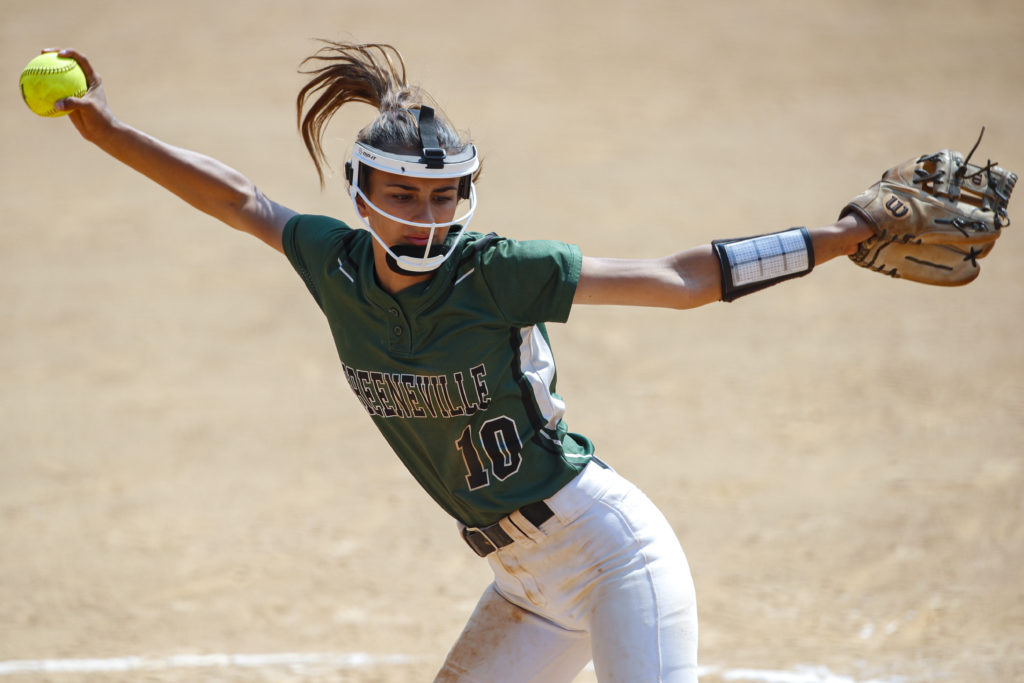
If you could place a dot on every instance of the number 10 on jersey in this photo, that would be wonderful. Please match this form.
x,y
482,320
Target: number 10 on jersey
x,y
500,440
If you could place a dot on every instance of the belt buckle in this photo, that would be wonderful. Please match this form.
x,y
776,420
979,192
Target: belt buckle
x,y
476,539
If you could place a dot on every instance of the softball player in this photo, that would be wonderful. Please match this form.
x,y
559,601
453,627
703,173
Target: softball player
x,y
440,332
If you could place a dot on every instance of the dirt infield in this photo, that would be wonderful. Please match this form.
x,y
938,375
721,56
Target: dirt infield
x,y
183,470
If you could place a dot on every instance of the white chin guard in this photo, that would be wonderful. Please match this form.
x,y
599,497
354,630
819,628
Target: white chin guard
x,y
433,163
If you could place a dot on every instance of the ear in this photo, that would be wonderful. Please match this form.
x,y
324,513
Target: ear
x,y
364,211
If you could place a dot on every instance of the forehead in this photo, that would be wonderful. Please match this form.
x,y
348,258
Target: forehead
x,y
385,179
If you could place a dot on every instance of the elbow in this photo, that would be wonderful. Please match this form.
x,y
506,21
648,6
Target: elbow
x,y
239,201
695,291
238,192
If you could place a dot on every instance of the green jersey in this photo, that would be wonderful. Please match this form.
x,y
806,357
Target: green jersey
x,y
457,372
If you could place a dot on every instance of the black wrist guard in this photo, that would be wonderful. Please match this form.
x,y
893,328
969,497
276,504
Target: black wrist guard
x,y
750,264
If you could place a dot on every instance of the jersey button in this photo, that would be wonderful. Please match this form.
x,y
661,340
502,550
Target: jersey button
x,y
398,331
394,312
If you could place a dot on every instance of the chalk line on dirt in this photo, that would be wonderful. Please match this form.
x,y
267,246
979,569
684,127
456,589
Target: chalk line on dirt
x,y
357,660
353,660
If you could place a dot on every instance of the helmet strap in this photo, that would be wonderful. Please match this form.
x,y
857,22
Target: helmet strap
x,y
433,153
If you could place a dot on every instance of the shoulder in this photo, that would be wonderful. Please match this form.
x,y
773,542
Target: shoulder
x,y
529,281
307,238
313,243
308,227
496,249
532,257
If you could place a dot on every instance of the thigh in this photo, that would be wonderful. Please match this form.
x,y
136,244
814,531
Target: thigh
x,y
503,643
643,624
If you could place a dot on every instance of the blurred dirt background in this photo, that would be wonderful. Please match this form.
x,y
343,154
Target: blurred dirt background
x,y
184,470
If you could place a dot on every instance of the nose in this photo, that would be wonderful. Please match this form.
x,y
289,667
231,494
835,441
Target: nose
x,y
424,213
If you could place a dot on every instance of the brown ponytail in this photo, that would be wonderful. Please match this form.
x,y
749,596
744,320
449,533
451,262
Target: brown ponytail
x,y
374,74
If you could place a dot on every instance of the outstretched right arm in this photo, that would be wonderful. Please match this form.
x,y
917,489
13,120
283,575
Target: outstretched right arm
x,y
203,182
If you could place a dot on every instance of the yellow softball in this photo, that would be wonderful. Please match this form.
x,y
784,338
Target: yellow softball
x,y
49,78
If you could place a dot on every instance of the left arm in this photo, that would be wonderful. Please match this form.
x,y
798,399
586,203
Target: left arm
x,y
691,278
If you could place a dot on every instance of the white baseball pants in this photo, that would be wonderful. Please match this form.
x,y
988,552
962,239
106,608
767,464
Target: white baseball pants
x,y
604,579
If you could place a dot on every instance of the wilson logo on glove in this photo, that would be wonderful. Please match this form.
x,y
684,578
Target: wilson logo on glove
x,y
897,208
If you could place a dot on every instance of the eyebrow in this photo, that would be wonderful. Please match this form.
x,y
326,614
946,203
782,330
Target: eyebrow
x,y
413,188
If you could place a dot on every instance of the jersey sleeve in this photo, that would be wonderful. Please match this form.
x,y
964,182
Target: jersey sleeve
x,y
310,242
532,281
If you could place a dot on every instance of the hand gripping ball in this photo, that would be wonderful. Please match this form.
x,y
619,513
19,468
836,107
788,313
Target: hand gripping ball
x,y
49,78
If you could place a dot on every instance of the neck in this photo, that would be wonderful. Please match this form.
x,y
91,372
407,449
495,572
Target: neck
x,y
392,282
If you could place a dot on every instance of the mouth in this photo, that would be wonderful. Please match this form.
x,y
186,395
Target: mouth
x,y
417,240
